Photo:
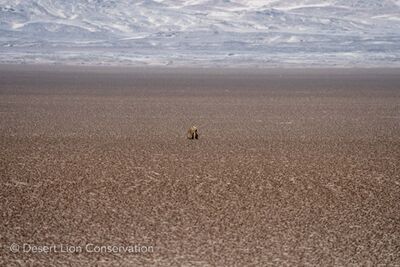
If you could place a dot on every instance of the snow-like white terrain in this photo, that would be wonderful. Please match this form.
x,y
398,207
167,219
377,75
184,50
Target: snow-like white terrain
x,y
202,32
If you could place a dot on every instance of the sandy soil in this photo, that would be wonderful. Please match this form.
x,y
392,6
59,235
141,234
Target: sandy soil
x,y
293,167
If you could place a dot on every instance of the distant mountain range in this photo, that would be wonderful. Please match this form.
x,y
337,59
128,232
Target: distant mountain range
x,y
201,32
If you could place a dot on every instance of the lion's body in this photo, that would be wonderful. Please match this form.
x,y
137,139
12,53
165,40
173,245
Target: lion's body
x,y
192,133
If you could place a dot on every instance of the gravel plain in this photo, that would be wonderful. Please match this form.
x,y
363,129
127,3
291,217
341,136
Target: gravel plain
x,y
292,167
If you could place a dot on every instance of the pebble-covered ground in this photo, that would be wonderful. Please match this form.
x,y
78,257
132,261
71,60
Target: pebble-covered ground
x,y
292,168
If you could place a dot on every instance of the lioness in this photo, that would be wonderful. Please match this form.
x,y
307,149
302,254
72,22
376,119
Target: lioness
x,y
192,133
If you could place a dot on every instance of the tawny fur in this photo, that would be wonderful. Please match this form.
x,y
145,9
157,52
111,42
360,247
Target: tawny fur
x,y
192,133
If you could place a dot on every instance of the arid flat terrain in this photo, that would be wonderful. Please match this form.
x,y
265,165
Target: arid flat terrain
x,y
292,167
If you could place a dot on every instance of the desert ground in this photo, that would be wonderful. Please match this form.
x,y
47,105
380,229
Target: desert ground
x,y
292,167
